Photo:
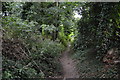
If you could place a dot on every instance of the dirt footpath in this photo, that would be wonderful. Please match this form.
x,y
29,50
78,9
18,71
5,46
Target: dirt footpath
x,y
68,64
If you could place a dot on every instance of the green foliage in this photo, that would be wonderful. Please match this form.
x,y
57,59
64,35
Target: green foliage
x,y
41,52
48,30
97,28
43,30
51,48
51,14
91,67
97,33
16,69
16,27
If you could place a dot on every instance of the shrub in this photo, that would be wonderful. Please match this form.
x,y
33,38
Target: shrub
x,y
40,56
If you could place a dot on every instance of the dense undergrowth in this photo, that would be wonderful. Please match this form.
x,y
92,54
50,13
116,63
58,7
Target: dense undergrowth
x,y
34,35
26,54
97,46
89,66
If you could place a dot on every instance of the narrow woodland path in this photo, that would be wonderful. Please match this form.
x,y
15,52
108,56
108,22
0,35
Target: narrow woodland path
x,y
68,64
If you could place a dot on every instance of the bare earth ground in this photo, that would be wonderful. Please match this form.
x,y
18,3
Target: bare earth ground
x,y
69,66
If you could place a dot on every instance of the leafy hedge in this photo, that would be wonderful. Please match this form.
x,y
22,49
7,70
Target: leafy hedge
x,y
26,54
